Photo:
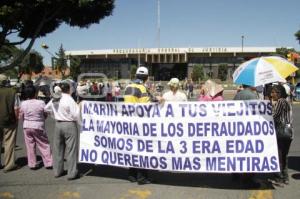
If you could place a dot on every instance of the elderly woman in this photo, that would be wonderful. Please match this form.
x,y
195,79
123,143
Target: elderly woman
x,y
174,94
281,115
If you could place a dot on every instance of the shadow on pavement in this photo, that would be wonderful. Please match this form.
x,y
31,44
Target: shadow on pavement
x,y
219,181
294,162
296,176
22,161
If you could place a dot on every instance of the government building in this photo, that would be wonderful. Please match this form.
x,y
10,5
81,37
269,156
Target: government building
x,y
164,63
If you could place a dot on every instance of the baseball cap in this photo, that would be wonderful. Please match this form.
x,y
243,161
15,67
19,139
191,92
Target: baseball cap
x,y
57,92
142,70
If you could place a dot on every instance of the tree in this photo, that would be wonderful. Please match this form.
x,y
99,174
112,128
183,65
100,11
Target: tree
x,y
283,51
31,19
297,35
133,69
222,72
74,67
6,53
197,73
32,62
61,64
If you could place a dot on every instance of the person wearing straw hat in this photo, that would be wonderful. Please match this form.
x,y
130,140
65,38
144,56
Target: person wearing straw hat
x,y
211,91
174,94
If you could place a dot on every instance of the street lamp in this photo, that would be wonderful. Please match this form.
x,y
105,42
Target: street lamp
x,y
45,46
53,57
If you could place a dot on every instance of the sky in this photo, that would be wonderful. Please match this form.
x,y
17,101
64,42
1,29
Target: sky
x,y
184,23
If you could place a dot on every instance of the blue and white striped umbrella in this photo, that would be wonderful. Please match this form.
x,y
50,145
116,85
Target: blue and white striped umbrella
x,y
263,70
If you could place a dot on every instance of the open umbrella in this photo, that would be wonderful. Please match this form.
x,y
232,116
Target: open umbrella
x,y
263,70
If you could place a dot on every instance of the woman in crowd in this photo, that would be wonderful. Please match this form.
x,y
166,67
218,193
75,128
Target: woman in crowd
x,y
174,94
281,115
211,91
32,112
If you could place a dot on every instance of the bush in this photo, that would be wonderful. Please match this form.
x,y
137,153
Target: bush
x,y
198,73
222,72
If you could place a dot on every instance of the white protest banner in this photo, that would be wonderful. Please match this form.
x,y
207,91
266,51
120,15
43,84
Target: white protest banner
x,y
225,136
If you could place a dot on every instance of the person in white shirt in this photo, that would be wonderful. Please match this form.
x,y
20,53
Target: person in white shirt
x,y
82,90
174,94
65,140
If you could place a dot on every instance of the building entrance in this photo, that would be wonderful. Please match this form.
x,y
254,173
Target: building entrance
x,y
165,72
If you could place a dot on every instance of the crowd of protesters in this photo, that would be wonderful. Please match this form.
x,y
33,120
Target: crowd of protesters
x,y
62,103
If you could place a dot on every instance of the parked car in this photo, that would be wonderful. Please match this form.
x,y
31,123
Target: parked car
x,y
297,91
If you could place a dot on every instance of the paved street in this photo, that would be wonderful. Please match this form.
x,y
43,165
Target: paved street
x,y
110,182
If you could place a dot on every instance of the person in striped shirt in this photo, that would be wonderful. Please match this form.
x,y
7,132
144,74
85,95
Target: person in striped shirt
x,y
281,115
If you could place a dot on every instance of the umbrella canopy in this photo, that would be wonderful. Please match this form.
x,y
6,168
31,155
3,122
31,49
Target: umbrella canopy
x,y
263,70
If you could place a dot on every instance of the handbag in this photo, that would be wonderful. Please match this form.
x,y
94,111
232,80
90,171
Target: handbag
x,y
284,131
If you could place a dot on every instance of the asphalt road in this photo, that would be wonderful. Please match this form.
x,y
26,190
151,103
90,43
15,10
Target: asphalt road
x,y
111,183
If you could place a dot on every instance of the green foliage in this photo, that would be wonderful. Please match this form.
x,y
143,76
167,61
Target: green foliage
x,y
74,67
198,73
132,71
283,51
298,73
6,54
61,64
297,35
28,65
32,62
222,72
12,73
31,19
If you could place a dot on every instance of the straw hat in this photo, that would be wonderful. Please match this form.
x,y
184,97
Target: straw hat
x,y
212,88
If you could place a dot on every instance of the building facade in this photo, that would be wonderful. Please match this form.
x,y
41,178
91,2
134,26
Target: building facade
x,y
165,63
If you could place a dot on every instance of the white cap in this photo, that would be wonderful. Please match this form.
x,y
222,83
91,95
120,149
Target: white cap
x,y
142,70
57,92
42,83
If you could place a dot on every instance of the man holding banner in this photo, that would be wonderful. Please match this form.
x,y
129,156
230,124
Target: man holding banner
x,y
136,92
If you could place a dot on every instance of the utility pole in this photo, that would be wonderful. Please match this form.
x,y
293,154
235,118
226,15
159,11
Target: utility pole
x,y
158,23
139,55
243,43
